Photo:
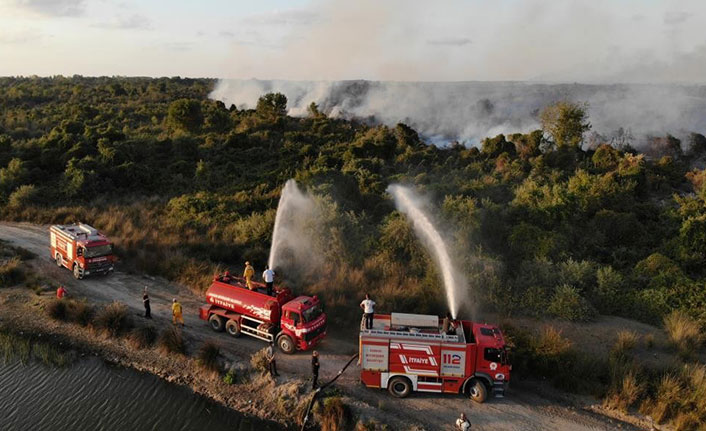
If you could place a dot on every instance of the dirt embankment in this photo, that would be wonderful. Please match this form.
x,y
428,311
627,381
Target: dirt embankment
x,y
527,406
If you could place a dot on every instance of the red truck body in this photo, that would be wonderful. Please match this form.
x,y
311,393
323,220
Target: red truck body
x,y
408,352
82,249
294,323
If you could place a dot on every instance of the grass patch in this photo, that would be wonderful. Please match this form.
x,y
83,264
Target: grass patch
x,y
207,356
628,393
142,337
57,310
625,342
684,333
49,355
13,346
114,319
171,341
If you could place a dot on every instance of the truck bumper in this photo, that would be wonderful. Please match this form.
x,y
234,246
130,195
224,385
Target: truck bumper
x,y
306,345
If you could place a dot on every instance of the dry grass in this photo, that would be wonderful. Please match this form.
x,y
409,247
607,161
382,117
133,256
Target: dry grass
x,y
335,415
114,319
142,337
649,340
667,398
258,361
551,342
627,394
11,272
57,309
684,332
207,356
80,312
171,341
626,341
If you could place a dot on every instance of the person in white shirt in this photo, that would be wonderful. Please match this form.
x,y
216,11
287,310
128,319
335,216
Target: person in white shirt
x,y
462,423
368,306
269,277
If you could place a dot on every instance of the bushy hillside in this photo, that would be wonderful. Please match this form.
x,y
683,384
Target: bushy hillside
x,y
184,183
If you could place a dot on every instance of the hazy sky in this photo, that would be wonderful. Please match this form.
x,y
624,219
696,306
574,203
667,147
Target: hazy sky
x,y
559,40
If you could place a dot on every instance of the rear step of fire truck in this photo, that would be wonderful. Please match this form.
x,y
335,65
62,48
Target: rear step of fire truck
x,y
498,389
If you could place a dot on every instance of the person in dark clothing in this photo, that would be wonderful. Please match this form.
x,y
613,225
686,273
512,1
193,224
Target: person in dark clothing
x,y
146,302
315,369
271,361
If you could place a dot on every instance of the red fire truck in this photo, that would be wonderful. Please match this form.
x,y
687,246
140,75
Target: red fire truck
x,y
82,249
294,323
408,352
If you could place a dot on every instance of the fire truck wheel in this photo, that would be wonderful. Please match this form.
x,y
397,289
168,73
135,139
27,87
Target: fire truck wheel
x,y
216,322
233,328
77,272
478,391
399,386
286,344
59,260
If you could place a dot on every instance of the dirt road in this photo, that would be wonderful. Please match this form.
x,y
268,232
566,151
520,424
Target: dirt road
x,y
522,409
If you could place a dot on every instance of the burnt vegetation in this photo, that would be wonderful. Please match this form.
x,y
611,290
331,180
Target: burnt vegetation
x,y
554,222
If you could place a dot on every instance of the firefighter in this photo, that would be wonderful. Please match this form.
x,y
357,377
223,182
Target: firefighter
x,y
368,306
176,312
314,369
462,423
61,292
449,325
249,274
271,361
269,277
146,303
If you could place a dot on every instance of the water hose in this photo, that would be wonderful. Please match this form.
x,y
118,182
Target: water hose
x,y
320,388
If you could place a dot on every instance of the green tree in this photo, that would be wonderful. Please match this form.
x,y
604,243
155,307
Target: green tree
x,y
185,114
272,106
566,122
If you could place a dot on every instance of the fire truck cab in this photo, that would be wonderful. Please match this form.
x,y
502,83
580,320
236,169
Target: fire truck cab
x,y
408,352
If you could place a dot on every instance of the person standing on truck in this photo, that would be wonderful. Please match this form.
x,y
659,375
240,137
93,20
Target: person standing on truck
x,y
462,423
271,361
249,273
61,292
449,325
176,312
269,277
146,303
314,369
368,306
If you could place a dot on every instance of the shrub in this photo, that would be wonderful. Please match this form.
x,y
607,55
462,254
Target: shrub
x,y
335,415
259,361
208,354
24,195
171,340
11,273
142,337
627,394
567,303
667,398
56,309
649,340
114,319
684,332
80,312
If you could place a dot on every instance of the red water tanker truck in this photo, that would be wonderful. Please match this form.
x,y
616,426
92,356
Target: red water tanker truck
x,y
408,352
294,323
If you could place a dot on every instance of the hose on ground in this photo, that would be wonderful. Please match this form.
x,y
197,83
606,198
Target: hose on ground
x,y
322,387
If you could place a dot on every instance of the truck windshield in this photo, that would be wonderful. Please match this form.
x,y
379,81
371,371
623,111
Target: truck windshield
x,y
312,313
99,250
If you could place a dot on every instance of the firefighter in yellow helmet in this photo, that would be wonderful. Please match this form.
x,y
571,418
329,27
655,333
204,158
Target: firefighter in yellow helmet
x,y
176,312
249,274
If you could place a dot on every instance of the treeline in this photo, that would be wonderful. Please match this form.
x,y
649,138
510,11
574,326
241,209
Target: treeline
x,y
544,223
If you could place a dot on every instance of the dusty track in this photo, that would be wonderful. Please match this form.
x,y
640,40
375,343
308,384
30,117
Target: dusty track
x,y
523,409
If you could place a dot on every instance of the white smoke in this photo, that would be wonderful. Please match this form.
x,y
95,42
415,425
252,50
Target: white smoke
x,y
471,111
412,205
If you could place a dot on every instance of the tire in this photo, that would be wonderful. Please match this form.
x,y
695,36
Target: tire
x,y
216,322
286,344
478,392
59,260
233,328
399,387
77,272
